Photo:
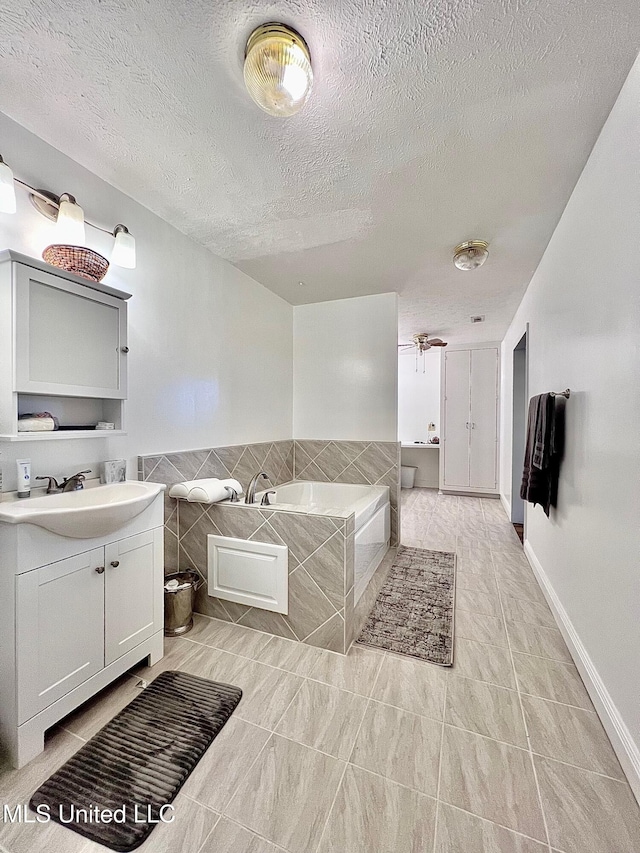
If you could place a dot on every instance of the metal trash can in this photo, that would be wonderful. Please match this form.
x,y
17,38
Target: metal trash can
x,y
179,596
407,476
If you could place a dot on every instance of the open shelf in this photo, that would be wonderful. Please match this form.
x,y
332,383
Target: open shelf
x,y
62,434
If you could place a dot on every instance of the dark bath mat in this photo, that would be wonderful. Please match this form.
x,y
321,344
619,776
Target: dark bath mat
x,y
141,758
413,613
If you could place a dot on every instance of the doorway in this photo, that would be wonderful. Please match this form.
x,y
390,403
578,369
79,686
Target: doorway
x,y
519,428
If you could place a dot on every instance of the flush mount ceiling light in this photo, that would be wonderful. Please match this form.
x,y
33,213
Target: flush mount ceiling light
x,y
471,254
277,69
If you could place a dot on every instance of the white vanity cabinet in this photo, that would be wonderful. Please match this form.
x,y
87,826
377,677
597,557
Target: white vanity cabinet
x,y
78,615
63,340
70,626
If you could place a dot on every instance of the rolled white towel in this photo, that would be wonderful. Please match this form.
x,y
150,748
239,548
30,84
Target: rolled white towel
x,y
209,494
207,491
181,490
213,492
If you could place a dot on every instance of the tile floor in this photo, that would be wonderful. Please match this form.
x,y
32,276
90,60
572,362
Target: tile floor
x,y
373,753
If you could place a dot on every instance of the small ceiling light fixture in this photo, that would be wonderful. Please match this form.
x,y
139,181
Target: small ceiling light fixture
x,y
471,254
277,69
124,249
7,189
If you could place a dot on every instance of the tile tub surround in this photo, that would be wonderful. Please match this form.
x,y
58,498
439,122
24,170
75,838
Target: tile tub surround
x,y
374,463
327,588
321,578
241,461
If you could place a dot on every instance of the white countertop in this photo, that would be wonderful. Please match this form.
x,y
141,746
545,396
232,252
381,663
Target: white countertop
x,y
419,446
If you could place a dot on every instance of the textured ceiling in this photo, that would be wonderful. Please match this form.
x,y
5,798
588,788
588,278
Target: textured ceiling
x,y
430,122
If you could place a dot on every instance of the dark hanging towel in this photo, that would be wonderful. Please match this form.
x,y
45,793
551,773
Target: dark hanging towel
x,y
543,453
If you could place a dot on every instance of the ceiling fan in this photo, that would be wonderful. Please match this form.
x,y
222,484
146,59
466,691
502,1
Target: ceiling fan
x,y
421,343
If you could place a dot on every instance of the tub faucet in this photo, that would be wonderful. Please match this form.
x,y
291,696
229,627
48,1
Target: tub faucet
x,y
250,497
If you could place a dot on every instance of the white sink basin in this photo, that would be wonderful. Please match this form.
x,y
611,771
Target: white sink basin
x,y
84,514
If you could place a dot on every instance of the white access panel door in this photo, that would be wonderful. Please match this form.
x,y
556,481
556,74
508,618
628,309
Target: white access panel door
x,y
247,572
133,592
457,373
59,634
483,457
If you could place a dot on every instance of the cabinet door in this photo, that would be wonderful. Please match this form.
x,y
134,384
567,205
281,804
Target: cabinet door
x,y
457,418
133,592
483,464
59,629
69,338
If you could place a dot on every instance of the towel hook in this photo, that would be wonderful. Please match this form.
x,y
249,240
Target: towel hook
x,y
566,393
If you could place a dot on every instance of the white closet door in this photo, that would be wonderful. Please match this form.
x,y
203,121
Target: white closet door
x,y
456,438
483,466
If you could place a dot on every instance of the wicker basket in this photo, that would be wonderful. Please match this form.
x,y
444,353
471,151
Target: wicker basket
x,y
78,260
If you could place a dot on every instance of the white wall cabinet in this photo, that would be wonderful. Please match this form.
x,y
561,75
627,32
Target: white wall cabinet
x,y
469,455
64,340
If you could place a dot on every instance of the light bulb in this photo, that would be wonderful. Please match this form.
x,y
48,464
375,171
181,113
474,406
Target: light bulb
x,y
124,248
277,69
70,222
7,189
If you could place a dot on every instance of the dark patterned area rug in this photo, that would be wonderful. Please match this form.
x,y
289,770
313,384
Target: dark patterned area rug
x,y
413,613
137,763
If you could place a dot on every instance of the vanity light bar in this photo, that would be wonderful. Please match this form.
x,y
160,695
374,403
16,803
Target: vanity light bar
x,y
68,215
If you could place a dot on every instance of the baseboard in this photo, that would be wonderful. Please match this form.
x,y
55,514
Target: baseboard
x,y
426,484
506,505
469,493
625,747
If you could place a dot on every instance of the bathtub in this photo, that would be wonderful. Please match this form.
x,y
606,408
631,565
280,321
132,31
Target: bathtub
x,y
372,517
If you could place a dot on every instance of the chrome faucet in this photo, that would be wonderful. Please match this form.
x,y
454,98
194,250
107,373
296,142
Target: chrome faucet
x,y
53,487
250,497
75,483
69,484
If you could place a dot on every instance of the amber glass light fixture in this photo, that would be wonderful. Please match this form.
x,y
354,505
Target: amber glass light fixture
x,y
277,69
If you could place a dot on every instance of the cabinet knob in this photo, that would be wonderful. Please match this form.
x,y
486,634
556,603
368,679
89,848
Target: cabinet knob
x,y
100,569
125,350
115,564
